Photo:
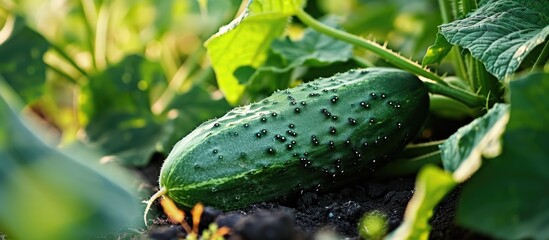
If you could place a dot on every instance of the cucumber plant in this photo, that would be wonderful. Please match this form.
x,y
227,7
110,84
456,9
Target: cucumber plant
x,y
133,98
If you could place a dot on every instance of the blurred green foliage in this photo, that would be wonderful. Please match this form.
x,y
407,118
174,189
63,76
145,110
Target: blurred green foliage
x,y
128,79
108,73
51,194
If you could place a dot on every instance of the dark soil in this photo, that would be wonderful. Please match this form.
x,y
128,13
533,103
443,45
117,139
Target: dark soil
x,y
303,216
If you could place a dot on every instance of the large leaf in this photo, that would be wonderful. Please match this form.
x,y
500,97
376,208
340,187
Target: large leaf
x,y
245,41
462,152
508,197
189,110
432,185
59,195
22,64
116,110
500,33
314,49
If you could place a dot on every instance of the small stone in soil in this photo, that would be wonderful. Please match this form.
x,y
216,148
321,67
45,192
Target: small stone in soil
x,y
167,232
229,220
266,226
208,216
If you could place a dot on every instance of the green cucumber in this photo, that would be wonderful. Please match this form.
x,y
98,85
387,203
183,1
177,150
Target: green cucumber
x,y
318,135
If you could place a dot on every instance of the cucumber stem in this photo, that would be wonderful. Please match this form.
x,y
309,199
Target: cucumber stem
x,y
418,149
462,96
149,203
406,166
440,87
376,48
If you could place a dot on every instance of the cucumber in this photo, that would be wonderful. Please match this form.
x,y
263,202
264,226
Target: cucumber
x,y
319,135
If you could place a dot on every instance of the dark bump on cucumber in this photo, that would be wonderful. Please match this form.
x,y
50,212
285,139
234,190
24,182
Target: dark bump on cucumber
x,y
333,130
352,121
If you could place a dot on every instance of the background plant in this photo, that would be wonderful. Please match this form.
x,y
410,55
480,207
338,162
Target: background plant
x,y
129,80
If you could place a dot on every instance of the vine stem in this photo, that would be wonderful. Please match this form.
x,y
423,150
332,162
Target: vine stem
x,y
65,56
177,80
407,166
448,16
89,17
542,58
374,47
436,87
462,96
62,73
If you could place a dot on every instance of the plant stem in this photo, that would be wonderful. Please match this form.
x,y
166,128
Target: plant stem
x,y
177,81
62,73
440,87
101,35
407,166
449,16
542,58
418,149
380,50
467,6
455,8
457,94
445,11
88,13
204,75
459,64
63,54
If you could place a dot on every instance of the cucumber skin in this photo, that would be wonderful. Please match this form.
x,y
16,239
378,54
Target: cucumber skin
x,y
225,164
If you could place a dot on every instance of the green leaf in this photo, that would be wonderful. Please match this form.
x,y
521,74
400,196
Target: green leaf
x,y
437,51
22,64
432,185
189,110
501,33
274,74
462,152
245,41
508,197
58,194
314,49
116,111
